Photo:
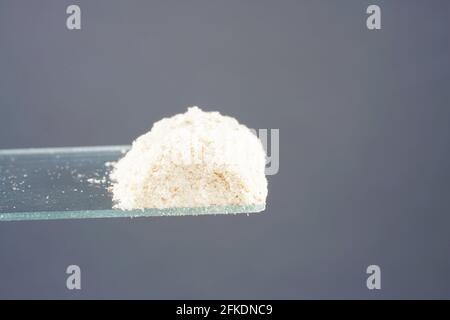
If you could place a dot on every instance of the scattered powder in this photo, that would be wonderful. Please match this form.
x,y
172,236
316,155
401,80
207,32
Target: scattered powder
x,y
96,181
195,159
109,164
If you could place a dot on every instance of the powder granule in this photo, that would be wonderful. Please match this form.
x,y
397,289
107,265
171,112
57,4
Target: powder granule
x,y
194,159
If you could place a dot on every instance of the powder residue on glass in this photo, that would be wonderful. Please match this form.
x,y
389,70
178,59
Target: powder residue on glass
x,y
194,159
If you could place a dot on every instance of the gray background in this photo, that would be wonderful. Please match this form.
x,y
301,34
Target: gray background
x,y
364,124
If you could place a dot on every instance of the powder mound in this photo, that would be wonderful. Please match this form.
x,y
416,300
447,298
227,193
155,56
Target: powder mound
x,y
194,159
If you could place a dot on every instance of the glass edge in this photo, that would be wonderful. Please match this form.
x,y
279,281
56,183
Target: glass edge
x,y
88,214
115,148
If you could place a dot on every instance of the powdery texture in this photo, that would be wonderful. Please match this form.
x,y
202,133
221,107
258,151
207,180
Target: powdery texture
x,y
195,159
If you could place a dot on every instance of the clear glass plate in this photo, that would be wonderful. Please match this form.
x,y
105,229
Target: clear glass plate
x,y
72,183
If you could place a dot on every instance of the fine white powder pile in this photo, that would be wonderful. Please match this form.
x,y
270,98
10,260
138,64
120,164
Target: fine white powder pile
x,y
194,159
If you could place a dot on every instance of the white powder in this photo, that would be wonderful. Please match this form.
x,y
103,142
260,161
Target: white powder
x,y
195,159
